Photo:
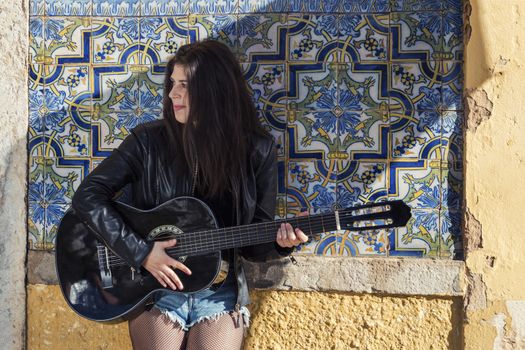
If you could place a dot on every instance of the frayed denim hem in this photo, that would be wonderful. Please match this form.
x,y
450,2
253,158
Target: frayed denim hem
x,y
244,313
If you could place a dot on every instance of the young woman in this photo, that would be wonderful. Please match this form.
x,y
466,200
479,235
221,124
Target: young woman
x,y
209,145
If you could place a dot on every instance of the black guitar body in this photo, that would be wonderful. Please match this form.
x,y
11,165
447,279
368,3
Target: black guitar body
x,y
99,292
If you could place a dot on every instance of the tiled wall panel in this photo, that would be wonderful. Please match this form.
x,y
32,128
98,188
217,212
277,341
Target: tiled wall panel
x,y
362,96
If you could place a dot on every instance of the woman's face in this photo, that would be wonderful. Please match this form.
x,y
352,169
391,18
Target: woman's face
x,y
179,94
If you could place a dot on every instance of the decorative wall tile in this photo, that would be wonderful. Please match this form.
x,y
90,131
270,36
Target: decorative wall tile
x,y
363,37
312,86
363,98
68,40
68,7
417,136
420,237
164,7
212,7
36,40
312,38
363,134
36,7
415,86
161,37
220,27
416,36
416,5
262,37
115,40
417,183
365,243
451,223
363,86
267,83
263,6
312,184
116,7
365,6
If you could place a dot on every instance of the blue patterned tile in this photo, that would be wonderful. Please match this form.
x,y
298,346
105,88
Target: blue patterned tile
x,y
116,8
151,87
364,134
363,86
68,7
71,86
452,185
36,7
416,36
274,121
312,38
379,6
115,41
361,182
452,75
417,183
68,135
212,7
263,6
452,136
416,5
372,243
452,5
310,134
311,184
452,243
36,40
262,37
417,136
420,237
161,37
312,86
223,28
305,6
164,7
364,37
36,202
453,35
267,83
68,40
415,86
61,178
37,99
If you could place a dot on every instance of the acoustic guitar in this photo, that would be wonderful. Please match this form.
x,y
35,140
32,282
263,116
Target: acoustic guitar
x,y
100,286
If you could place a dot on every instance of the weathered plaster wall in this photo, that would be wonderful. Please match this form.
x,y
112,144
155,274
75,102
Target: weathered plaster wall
x,y
13,165
281,320
494,173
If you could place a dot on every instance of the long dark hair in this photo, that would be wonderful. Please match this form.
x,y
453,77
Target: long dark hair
x,y
221,120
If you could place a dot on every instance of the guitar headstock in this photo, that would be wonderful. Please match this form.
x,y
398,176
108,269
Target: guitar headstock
x,y
375,216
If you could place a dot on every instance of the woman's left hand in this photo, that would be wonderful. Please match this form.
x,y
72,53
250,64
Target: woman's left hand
x,y
288,237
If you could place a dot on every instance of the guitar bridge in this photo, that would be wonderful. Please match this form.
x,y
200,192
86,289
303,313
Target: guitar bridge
x,y
106,278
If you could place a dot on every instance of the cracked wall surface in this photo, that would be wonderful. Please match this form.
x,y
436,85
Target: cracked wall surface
x,y
494,171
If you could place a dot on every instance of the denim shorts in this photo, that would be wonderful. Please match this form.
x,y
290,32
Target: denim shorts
x,y
188,309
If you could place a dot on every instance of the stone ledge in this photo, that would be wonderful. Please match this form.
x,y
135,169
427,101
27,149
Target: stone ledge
x,y
401,276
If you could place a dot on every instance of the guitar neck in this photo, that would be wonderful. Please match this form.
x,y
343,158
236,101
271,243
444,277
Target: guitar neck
x,y
367,217
241,236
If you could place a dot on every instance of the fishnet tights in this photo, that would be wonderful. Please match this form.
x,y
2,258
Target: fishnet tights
x,y
152,330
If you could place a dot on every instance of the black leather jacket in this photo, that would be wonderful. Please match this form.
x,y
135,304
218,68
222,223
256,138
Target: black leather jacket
x,y
140,161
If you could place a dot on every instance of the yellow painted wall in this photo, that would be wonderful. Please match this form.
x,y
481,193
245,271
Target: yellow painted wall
x,y
280,320
495,174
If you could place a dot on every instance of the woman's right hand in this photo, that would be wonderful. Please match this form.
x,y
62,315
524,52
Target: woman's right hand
x,y
162,266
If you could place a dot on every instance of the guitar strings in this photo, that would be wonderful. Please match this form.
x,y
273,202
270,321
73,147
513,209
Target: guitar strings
x,y
194,242
189,243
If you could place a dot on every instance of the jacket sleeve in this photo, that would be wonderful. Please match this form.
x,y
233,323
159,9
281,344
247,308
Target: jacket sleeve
x,y
93,199
266,185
